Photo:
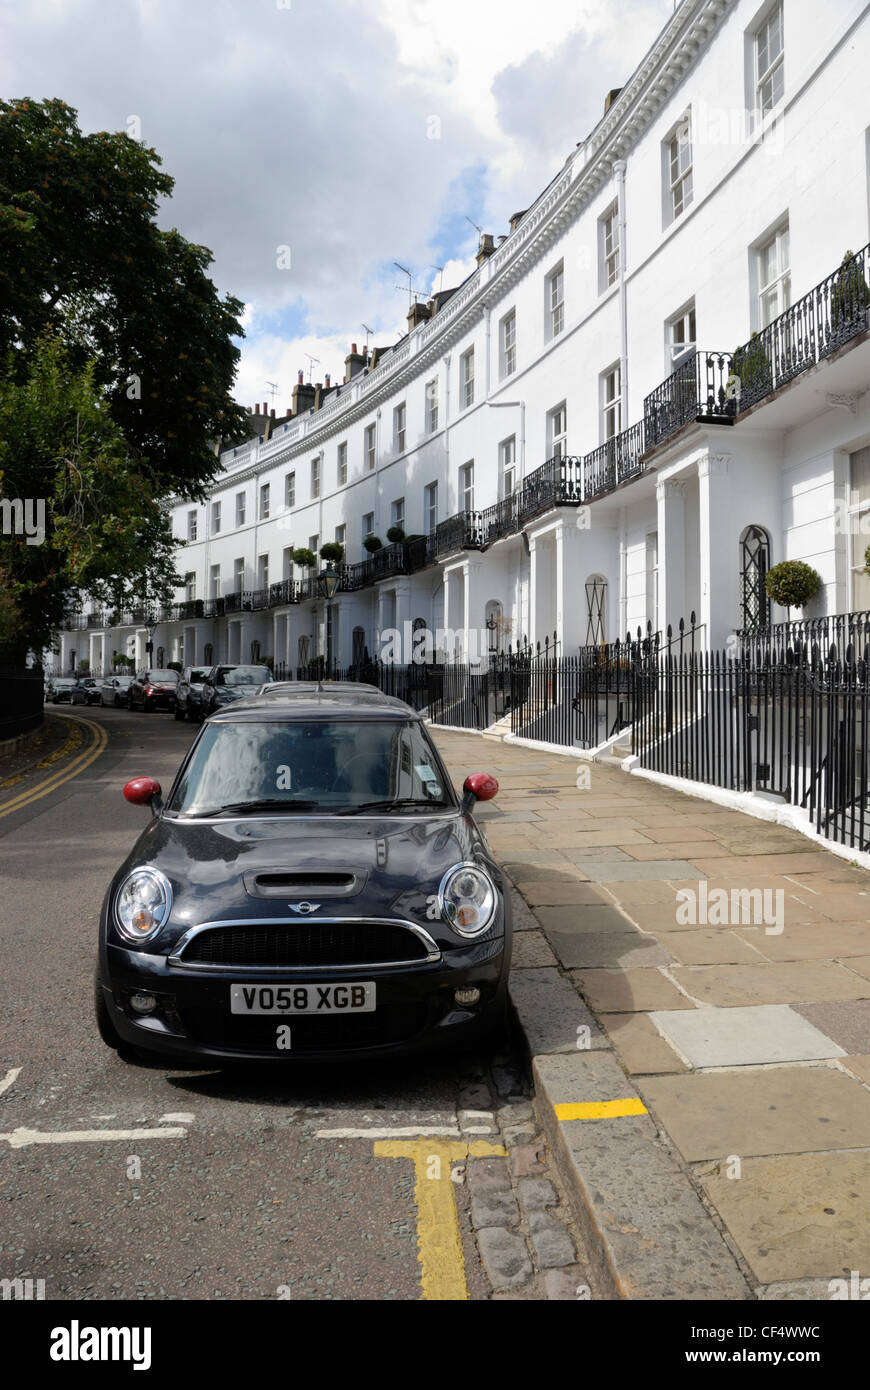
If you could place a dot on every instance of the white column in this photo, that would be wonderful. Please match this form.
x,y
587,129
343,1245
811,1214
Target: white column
x,y
718,567
473,616
533,588
670,498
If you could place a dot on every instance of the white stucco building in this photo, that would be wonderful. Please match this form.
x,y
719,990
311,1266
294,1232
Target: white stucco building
x,y
564,430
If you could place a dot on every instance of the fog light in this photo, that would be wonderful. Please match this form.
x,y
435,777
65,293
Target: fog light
x,y
466,996
143,1003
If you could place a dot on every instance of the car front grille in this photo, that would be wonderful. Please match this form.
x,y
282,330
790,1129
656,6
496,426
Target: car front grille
x,y
305,944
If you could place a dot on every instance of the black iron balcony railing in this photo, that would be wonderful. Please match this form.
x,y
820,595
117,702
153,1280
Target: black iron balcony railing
x,y
810,329
614,462
456,533
558,482
697,390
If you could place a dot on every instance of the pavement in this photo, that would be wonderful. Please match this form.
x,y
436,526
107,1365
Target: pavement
x,y
693,987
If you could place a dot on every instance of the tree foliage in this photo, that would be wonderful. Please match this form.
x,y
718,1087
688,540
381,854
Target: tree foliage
x,y
105,534
81,254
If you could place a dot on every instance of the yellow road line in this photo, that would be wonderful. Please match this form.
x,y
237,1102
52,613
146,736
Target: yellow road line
x,y
439,1244
599,1109
73,739
64,774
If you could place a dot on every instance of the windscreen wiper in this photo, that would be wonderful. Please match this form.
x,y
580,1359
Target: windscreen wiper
x,y
401,803
275,803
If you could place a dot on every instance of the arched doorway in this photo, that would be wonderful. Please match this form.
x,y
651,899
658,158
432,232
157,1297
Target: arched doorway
x,y
596,610
754,565
494,619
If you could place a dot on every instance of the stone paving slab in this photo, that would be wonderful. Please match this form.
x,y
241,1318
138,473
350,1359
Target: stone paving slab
x,y
532,949
551,1011
640,1046
588,917
606,949
760,1111
847,1022
629,991
798,1218
608,870
705,946
744,1037
547,893
807,941
795,982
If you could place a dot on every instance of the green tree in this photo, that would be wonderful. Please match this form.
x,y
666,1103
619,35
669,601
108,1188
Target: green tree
x,y
81,254
105,534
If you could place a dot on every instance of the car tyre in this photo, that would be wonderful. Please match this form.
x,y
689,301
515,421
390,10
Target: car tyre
x,y
178,712
130,701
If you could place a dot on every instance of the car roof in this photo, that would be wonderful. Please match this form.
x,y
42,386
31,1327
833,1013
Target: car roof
x,y
332,704
302,689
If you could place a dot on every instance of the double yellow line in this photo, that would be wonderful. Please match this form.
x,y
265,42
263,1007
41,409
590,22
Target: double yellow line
x,y
56,779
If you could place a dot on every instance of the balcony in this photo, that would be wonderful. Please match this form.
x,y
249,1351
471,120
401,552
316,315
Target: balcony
x,y
813,328
616,461
697,390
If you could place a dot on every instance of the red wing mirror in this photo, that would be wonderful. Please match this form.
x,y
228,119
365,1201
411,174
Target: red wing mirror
x,y
142,791
480,786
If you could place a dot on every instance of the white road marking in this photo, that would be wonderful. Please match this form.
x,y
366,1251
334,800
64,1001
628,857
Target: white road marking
x,y
9,1079
22,1138
178,1117
397,1132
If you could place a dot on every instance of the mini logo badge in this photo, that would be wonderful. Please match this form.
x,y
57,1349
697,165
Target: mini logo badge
x,y
304,908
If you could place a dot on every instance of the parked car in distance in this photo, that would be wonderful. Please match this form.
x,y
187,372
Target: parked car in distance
x,y
349,910
224,684
62,688
153,689
114,689
93,694
188,692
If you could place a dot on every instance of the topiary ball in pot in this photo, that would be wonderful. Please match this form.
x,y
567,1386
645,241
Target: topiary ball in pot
x,y
372,543
792,583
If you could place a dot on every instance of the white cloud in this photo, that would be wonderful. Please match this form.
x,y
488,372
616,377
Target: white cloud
x,y
309,128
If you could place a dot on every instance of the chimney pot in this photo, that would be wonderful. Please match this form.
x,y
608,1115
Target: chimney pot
x,y
327,381
300,378
271,414
353,347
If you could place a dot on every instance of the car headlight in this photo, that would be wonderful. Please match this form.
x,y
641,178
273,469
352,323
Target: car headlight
x,y
467,899
142,904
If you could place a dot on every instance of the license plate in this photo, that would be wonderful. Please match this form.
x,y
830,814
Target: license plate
x,y
355,998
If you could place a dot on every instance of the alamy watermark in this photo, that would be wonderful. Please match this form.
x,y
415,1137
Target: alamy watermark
x,y
739,907
23,518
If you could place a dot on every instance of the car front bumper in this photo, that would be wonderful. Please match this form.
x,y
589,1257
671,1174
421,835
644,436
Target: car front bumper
x,y
416,1009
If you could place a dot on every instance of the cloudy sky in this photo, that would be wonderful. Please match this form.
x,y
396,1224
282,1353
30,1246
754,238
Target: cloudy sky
x,y
353,132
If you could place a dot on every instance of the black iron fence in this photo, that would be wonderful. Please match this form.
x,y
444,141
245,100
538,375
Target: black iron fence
x,y
801,636
791,722
21,700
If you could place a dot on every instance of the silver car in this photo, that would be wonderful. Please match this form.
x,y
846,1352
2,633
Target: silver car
x,y
113,691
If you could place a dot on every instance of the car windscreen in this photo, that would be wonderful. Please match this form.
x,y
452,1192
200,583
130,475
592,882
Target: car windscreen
x,y
327,765
247,675
196,677
162,676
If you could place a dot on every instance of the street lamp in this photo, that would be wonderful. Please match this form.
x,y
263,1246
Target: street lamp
x,y
328,581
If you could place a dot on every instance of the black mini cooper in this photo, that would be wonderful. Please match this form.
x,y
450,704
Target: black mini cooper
x,y
312,888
